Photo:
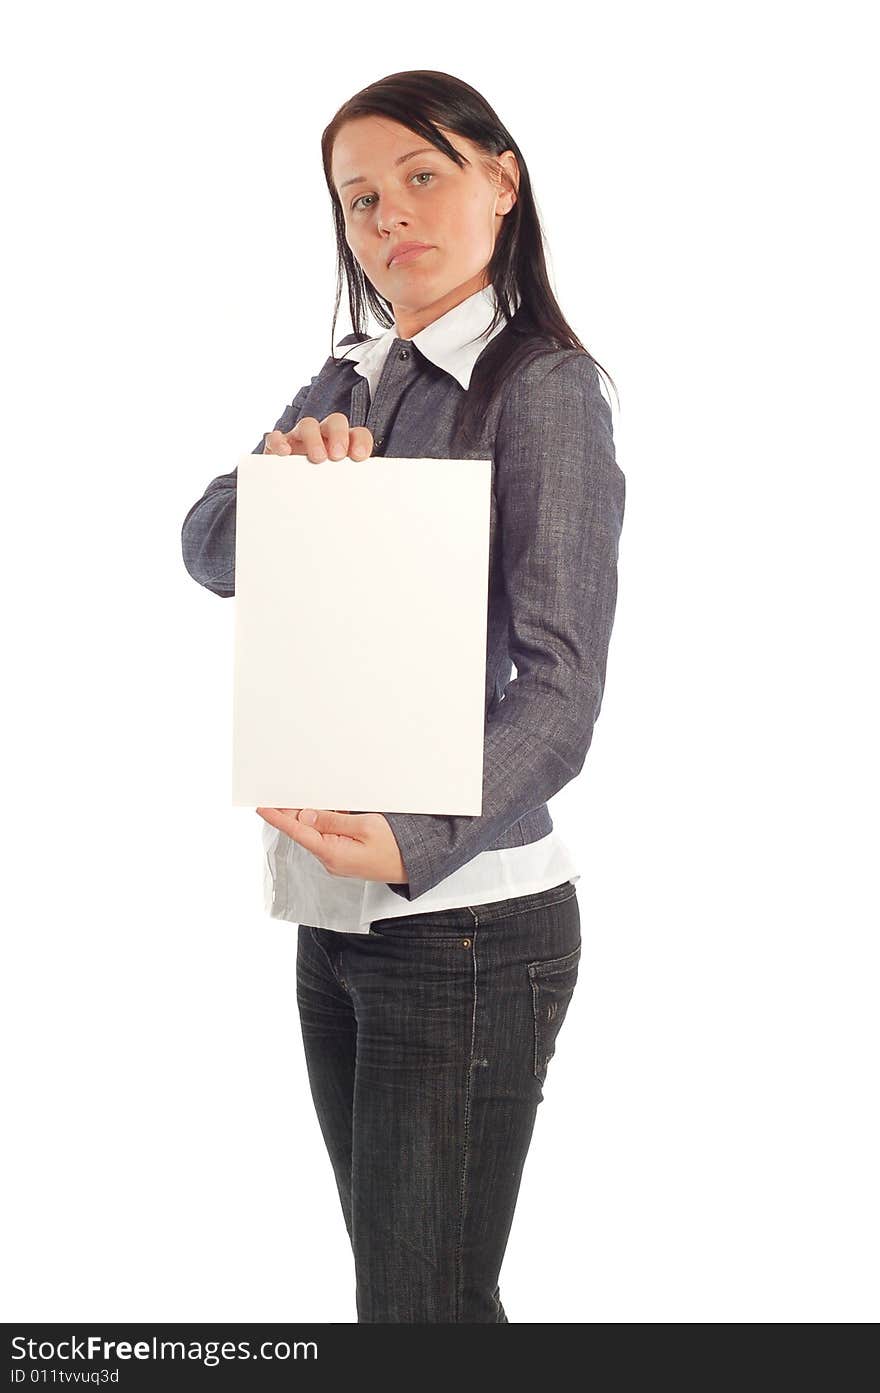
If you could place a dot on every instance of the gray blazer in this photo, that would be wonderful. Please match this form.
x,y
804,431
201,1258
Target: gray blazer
x,y
557,510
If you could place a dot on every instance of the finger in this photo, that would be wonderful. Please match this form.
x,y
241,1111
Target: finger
x,y
334,429
276,443
331,823
360,442
300,832
306,439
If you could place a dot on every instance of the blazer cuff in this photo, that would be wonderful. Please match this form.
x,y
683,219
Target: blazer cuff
x,y
416,860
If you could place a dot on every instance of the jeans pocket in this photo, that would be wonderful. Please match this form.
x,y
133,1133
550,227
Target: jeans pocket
x,y
552,982
445,928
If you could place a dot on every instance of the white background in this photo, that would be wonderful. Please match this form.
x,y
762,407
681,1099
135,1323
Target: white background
x,y
707,1147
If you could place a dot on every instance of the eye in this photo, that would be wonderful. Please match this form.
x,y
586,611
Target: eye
x,y
423,174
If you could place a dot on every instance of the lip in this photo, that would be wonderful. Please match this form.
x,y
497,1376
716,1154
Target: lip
x,y
407,251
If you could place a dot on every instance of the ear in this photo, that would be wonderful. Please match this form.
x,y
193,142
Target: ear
x,y
509,168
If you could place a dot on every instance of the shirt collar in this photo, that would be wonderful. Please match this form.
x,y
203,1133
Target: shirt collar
x,y
453,342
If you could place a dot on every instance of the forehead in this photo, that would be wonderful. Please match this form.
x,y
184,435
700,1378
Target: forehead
x,y
372,142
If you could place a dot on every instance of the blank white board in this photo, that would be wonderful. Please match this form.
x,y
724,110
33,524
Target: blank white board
x,y
361,593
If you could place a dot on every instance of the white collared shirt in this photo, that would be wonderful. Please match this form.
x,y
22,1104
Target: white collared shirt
x,y
296,885
453,342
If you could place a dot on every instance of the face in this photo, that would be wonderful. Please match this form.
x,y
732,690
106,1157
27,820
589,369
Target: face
x,y
391,195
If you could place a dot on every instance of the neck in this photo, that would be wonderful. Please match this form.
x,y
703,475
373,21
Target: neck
x,y
411,321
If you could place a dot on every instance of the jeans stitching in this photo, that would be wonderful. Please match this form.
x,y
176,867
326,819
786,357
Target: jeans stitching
x,y
548,967
459,1275
443,940
535,1022
555,967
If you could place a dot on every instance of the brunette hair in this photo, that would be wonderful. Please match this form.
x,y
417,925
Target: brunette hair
x,y
424,101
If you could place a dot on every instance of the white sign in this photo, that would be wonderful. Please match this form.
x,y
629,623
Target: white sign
x,y
361,591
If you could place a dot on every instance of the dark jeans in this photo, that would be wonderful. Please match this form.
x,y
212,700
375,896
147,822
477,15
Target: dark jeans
x,y
427,1043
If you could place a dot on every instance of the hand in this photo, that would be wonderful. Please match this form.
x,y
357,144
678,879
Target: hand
x,y
349,844
317,438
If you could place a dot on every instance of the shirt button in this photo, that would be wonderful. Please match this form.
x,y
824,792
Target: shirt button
x,y
404,353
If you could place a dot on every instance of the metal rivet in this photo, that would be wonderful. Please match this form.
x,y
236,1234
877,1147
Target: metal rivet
x,y
465,943
404,353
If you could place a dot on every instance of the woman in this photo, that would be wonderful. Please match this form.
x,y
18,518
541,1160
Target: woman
x,y
437,955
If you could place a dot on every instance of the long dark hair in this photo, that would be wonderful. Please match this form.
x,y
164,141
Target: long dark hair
x,y
424,101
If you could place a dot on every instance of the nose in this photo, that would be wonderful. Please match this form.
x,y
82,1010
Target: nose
x,y
390,219
390,230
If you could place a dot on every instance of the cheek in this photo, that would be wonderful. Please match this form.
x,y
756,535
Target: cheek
x,y
478,213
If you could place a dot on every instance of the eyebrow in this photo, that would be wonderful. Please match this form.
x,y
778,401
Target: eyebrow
x,y
359,178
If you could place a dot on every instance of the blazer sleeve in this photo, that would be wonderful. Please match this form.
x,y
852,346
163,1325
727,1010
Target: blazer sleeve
x,y
208,532
560,497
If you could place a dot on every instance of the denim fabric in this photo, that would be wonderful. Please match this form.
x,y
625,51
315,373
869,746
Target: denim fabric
x,y
427,1043
557,506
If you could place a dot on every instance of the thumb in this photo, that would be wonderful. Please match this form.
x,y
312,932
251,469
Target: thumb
x,y
326,820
